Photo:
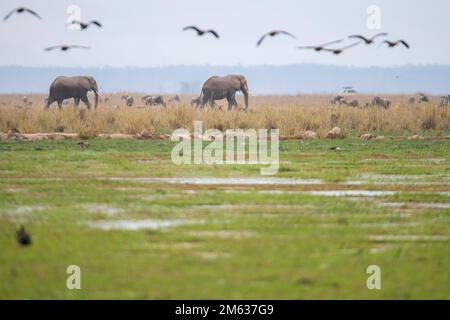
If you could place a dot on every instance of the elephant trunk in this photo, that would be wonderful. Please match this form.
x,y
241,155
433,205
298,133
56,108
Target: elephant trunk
x,y
246,98
96,98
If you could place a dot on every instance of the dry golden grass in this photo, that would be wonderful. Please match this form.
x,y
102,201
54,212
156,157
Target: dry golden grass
x,y
293,115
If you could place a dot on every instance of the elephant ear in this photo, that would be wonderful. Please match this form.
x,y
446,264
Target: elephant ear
x,y
92,81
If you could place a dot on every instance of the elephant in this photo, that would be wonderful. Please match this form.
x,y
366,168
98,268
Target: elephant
x,y
217,88
72,87
382,102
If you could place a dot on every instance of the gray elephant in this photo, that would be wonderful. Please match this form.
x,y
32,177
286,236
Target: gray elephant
x,y
217,88
72,87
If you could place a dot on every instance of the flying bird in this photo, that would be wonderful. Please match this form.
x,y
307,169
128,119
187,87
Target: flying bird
x,y
392,44
21,10
66,47
368,40
23,238
201,32
85,25
340,50
322,46
272,34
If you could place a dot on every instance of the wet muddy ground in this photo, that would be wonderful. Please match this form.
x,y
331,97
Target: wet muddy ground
x,y
150,229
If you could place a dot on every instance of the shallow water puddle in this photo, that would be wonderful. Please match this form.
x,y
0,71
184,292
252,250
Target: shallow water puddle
x,y
389,179
408,238
351,193
105,209
415,205
223,181
134,225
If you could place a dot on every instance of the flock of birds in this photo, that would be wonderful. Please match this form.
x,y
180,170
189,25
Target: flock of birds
x,y
63,47
24,238
317,48
201,32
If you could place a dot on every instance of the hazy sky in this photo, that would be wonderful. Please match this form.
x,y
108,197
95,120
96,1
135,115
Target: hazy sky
x,y
148,33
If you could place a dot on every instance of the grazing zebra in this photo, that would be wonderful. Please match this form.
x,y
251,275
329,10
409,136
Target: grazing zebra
x,y
196,101
129,100
175,98
146,98
354,103
158,100
153,100
423,98
337,100
381,102
444,101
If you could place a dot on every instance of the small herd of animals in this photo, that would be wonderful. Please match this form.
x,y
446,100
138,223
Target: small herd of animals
x,y
215,88
201,32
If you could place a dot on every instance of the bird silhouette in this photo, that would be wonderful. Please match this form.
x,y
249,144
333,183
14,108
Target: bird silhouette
x,y
368,40
272,34
322,46
23,238
340,50
21,10
85,25
66,47
392,44
201,32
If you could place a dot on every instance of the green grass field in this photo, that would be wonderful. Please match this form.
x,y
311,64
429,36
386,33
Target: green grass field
x,y
226,239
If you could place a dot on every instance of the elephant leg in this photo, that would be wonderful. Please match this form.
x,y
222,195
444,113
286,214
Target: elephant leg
x,y
85,100
203,102
50,100
230,103
59,104
76,101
